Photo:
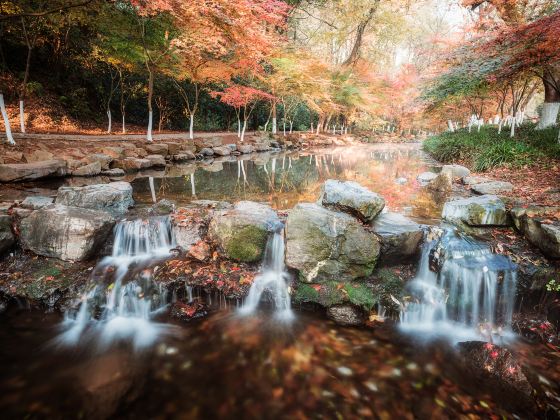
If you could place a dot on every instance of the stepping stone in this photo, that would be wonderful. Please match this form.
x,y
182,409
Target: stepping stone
x,y
425,177
492,187
456,171
15,172
485,210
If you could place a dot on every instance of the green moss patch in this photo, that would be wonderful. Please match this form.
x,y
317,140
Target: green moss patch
x,y
247,244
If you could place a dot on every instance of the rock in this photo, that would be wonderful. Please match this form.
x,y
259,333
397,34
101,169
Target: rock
x,y
38,156
67,233
113,172
132,164
158,149
183,156
21,212
493,187
484,210
188,311
206,151
130,152
15,172
400,237
350,197
104,160
14,156
347,315
455,171
442,182
200,251
470,180
245,148
242,233
141,152
156,160
325,245
497,371
114,152
36,202
261,147
539,229
212,142
174,148
232,146
188,230
74,164
425,177
163,207
222,151
401,181
88,170
115,197
7,239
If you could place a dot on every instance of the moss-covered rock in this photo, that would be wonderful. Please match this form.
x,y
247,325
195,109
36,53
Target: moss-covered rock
x,y
241,233
385,283
485,210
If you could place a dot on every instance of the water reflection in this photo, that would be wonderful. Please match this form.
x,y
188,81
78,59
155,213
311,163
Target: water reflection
x,y
286,178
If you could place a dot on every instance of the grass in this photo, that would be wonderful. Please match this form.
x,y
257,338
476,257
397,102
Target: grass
x,y
487,149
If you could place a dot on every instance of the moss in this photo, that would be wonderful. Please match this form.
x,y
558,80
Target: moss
x,y
386,284
306,293
360,295
247,244
327,294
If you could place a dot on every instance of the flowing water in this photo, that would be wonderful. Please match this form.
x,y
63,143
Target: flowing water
x,y
471,296
126,306
272,281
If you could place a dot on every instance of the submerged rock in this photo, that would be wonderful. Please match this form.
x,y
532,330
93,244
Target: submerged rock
x,y
496,370
115,197
400,237
7,239
492,187
67,233
539,229
241,233
485,210
327,245
347,315
15,172
352,198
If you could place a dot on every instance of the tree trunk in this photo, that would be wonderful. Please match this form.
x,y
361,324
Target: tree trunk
x,y
243,130
238,127
551,105
191,127
150,94
25,78
152,188
123,124
109,126
6,121
512,132
274,121
291,127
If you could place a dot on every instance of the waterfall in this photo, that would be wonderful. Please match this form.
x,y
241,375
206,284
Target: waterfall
x,y
272,279
471,296
122,299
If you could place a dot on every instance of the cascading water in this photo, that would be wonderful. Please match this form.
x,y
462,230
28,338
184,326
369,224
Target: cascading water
x,y
123,299
471,296
273,280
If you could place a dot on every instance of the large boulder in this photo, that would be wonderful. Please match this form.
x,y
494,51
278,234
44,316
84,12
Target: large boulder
x,y
38,156
484,210
114,152
156,160
15,172
492,187
325,245
103,159
245,148
36,202
241,233
115,197
222,151
91,169
539,228
350,197
131,164
400,237
67,233
157,149
443,182
7,239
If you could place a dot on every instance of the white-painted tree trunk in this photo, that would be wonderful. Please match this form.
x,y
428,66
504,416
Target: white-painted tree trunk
x,y
549,115
470,125
150,122
109,122
152,188
193,189
291,127
242,138
191,127
123,125
512,132
450,126
238,127
318,127
6,121
266,126
500,126
21,117
274,126
284,122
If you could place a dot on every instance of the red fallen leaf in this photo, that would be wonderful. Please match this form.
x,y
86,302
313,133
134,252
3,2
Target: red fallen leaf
x,y
317,287
235,268
49,278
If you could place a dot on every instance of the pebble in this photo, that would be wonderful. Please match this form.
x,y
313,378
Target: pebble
x,y
372,386
343,370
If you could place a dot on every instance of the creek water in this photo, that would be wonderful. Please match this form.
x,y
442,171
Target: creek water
x,y
120,355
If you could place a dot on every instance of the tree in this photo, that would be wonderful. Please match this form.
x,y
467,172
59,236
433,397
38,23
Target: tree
x,y
243,99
